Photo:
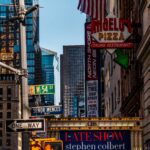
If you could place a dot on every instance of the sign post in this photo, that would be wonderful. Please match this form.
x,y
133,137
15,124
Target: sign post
x,y
25,125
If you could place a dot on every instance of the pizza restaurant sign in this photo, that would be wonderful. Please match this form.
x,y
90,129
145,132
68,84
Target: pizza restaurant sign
x,y
111,33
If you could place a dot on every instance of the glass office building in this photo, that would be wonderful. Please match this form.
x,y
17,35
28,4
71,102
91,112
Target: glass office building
x,y
73,80
49,69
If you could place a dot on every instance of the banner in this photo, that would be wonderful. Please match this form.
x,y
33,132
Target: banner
x,y
96,140
91,59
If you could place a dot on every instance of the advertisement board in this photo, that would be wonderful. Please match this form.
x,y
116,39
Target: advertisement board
x,y
46,110
92,98
111,32
91,58
96,140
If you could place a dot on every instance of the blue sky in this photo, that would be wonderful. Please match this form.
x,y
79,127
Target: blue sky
x,y
60,24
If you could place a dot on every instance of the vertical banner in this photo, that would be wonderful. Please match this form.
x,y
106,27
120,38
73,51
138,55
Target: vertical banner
x,y
91,73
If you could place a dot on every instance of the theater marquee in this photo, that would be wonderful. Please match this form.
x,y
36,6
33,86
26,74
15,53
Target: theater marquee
x,y
111,32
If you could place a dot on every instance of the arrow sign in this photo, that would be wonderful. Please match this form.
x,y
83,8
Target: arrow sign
x,y
25,125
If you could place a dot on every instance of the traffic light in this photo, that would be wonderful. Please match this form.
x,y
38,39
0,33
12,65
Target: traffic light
x,y
46,144
35,145
54,145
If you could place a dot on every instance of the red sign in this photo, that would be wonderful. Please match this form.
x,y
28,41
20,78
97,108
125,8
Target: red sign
x,y
111,33
91,56
112,45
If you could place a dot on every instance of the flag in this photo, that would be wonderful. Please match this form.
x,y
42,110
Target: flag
x,y
94,8
121,59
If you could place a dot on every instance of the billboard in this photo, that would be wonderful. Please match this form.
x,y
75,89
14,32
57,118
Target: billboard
x,y
96,140
42,89
111,32
91,58
46,110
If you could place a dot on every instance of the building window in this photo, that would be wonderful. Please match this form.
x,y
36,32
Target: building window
x,y
8,114
147,145
1,115
8,142
1,124
1,142
8,134
8,91
1,91
8,105
8,98
1,106
1,133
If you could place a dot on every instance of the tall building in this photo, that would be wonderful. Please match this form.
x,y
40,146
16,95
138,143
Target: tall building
x,y
73,80
143,56
10,54
49,70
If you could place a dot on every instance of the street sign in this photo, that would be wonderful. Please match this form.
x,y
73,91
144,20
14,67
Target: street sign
x,y
25,125
46,110
41,89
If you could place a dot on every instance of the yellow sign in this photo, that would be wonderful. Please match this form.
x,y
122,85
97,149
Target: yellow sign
x,y
6,56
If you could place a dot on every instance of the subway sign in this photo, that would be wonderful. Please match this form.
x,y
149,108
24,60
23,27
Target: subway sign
x,y
96,139
111,32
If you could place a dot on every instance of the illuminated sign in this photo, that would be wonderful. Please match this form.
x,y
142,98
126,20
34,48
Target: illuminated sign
x,y
111,33
96,140
42,89
6,56
46,110
46,144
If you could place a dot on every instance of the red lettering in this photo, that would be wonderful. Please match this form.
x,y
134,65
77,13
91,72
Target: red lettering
x,y
111,24
121,24
67,137
87,136
106,136
115,25
96,137
76,137
105,24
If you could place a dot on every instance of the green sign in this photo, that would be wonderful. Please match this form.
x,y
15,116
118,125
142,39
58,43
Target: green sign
x,y
121,59
42,89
